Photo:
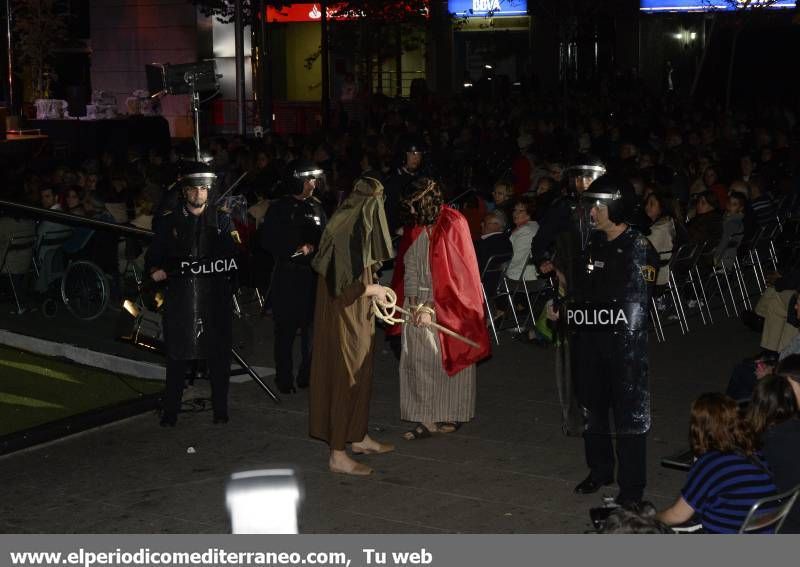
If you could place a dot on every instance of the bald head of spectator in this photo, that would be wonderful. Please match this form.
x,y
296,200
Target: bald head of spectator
x,y
493,222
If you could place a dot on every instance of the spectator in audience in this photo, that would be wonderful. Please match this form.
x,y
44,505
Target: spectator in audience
x,y
745,374
525,228
763,207
47,199
73,201
494,239
118,199
502,193
773,415
16,263
663,232
623,521
728,475
49,258
774,307
732,230
521,166
712,183
265,174
707,222
218,148
474,210
746,167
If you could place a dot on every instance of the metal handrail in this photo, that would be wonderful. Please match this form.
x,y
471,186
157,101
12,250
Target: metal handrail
x,y
78,220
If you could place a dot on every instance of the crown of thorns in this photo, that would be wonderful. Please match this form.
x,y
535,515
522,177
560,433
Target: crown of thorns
x,y
428,189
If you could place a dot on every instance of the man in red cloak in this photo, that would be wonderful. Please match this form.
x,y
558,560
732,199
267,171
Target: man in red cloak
x,y
456,292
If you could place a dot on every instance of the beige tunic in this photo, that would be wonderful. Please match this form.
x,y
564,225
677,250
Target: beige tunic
x,y
427,393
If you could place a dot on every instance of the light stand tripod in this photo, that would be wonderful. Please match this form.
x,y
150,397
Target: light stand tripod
x,y
191,80
152,340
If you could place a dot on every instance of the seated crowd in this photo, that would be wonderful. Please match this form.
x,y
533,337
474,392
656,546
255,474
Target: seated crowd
x,y
703,177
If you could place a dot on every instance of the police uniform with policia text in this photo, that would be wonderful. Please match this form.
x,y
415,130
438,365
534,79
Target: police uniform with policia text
x,y
607,323
199,255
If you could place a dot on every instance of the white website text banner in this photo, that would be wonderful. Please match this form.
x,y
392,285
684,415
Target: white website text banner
x,y
391,550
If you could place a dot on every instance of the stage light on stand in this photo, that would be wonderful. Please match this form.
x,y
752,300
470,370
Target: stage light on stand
x,y
140,326
131,307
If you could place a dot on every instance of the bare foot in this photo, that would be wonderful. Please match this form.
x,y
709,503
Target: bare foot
x,y
341,463
368,446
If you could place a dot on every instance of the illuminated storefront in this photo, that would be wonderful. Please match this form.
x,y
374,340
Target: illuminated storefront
x,y
491,40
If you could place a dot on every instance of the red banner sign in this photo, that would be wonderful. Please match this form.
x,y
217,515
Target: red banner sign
x,y
312,12
304,13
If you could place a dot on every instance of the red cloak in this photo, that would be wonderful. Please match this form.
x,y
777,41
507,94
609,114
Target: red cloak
x,y
456,283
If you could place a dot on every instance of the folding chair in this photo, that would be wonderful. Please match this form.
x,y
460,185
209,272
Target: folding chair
x,y
527,288
680,266
660,292
19,244
724,268
492,275
747,259
770,512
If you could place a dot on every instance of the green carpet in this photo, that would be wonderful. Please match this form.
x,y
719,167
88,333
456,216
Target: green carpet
x,y
37,389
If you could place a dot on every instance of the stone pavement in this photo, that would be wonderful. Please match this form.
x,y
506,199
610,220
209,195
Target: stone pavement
x,y
509,471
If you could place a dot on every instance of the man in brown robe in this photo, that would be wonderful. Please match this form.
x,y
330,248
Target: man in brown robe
x,y
355,242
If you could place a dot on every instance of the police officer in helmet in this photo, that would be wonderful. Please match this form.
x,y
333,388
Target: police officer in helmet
x,y
398,184
291,232
194,254
606,316
559,223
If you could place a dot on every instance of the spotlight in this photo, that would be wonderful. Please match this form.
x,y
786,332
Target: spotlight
x,y
138,325
131,308
264,501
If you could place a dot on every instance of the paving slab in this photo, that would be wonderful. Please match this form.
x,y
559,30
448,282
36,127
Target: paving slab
x,y
510,470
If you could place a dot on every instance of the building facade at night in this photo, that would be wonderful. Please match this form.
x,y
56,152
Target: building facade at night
x,y
456,44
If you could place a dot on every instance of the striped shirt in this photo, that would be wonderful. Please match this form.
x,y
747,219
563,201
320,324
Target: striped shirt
x,y
764,210
721,488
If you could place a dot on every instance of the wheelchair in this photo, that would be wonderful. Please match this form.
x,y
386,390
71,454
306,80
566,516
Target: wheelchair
x,y
76,282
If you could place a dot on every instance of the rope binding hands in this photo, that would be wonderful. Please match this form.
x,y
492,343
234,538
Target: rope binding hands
x,y
387,312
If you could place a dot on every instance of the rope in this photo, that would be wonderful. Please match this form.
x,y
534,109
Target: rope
x,y
387,311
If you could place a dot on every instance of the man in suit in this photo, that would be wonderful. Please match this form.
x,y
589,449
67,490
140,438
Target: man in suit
x,y
494,241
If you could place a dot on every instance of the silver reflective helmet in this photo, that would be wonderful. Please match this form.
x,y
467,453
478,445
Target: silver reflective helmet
x,y
305,172
580,177
589,200
200,179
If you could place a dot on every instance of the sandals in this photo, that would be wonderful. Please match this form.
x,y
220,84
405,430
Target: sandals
x,y
422,432
419,432
448,426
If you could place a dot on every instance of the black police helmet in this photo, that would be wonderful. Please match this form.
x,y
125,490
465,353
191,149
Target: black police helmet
x,y
195,174
299,171
617,193
412,144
